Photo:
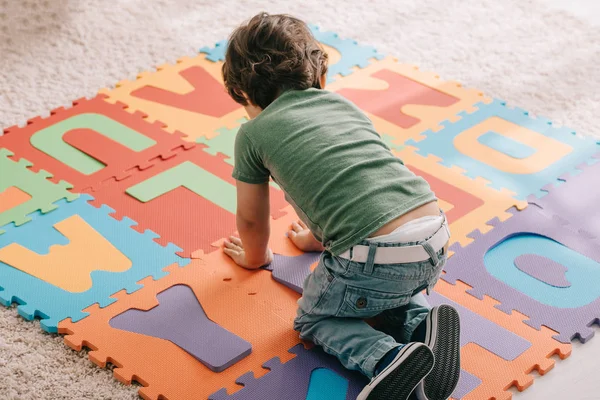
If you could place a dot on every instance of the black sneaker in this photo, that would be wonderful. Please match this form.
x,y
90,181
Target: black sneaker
x,y
441,333
399,379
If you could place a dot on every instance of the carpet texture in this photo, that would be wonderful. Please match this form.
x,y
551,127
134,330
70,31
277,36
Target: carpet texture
x,y
52,52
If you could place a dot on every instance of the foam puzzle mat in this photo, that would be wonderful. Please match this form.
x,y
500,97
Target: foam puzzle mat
x,y
112,213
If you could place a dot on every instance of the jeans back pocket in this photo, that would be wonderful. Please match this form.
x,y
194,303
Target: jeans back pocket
x,y
366,303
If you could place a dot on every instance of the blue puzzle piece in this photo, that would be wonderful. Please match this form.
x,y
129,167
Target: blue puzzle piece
x,y
352,54
38,298
441,144
505,145
326,385
582,273
216,53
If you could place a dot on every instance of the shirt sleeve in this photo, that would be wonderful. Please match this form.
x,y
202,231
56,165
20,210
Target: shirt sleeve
x,y
249,167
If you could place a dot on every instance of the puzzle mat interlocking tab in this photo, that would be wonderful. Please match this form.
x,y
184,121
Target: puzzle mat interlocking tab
x,y
403,101
519,153
59,143
29,191
187,100
162,198
345,55
180,318
47,265
572,196
568,248
490,346
468,203
293,380
498,342
259,311
189,97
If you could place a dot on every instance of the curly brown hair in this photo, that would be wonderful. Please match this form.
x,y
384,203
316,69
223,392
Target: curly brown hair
x,y
269,55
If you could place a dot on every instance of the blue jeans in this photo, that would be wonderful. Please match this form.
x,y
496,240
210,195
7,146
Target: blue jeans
x,y
340,294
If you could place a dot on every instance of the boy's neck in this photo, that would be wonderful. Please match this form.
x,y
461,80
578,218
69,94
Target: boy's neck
x,y
252,110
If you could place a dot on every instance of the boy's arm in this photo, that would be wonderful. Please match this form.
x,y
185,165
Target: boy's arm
x,y
253,224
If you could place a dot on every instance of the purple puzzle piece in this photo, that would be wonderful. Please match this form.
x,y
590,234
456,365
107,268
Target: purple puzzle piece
x,y
291,380
543,269
468,265
179,318
576,200
292,271
466,384
484,333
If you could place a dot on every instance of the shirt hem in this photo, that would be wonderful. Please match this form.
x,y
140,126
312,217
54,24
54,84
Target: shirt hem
x,y
364,233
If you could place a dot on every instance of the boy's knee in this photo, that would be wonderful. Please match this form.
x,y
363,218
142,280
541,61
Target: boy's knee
x,y
302,328
305,324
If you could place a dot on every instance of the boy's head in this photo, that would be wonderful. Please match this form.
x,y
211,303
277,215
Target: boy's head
x,y
269,55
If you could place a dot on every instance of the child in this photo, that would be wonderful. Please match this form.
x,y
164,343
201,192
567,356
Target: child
x,y
383,237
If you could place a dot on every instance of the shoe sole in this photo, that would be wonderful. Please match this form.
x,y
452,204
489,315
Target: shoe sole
x,y
443,338
400,378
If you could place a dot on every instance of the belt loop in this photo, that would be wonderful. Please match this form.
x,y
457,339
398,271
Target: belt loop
x,y
368,268
433,258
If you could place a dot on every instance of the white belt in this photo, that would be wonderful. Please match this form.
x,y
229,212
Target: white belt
x,y
401,254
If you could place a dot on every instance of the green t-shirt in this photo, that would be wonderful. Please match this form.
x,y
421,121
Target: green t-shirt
x,y
337,173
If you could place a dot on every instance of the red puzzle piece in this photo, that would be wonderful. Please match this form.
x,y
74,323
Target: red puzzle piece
x,y
71,126
171,214
388,103
463,202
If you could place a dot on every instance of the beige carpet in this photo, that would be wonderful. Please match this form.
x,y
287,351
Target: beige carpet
x,y
52,52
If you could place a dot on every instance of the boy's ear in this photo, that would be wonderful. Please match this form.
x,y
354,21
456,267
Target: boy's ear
x,y
240,93
323,81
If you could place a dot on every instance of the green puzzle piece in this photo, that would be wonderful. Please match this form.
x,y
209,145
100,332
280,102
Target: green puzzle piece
x,y
389,141
43,192
224,143
49,140
192,177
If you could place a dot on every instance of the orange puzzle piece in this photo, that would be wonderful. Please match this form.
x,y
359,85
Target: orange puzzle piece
x,y
247,303
188,97
12,197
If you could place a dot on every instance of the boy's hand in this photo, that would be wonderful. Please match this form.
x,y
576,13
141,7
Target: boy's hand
x,y
303,238
235,249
